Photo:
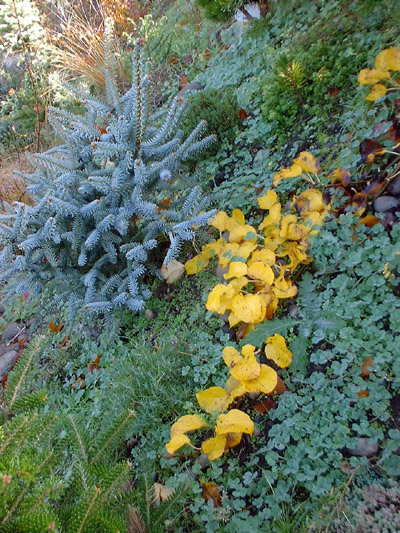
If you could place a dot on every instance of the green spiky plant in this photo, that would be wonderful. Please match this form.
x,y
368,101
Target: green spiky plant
x,y
108,201
52,477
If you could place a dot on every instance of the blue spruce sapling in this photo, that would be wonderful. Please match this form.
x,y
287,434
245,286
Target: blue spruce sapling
x,y
106,201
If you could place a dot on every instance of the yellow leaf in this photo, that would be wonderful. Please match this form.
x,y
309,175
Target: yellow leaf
x,y
297,232
220,298
162,493
214,447
277,350
214,399
238,283
272,218
227,252
234,388
377,91
213,248
309,201
265,382
261,272
308,163
220,221
230,356
233,439
246,367
243,233
388,59
173,271
249,308
233,320
245,249
284,289
196,264
234,422
369,76
293,172
238,216
237,269
285,221
265,256
187,423
268,200
177,442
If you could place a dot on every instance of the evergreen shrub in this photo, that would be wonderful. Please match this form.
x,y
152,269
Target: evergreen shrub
x,y
107,201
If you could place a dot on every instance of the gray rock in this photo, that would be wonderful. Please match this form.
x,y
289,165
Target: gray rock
x,y
10,347
260,156
365,448
219,272
22,337
293,310
2,349
7,362
149,315
394,187
10,331
190,87
2,309
385,203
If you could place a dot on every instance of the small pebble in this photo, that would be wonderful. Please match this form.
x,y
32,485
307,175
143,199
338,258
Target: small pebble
x,y
385,203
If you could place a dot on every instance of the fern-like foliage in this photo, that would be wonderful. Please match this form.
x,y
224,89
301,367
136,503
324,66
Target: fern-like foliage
x,y
106,201
52,476
313,325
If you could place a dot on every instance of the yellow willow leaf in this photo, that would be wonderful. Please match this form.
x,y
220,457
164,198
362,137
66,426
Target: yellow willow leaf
x,y
173,271
265,256
388,59
249,308
214,399
272,219
308,163
261,272
377,91
271,302
284,289
237,269
214,447
231,383
231,356
196,264
369,76
220,221
265,382
227,252
268,200
243,233
233,439
309,201
187,423
277,350
234,388
285,221
273,239
297,232
238,216
246,367
213,248
293,172
219,298
314,219
234,422
177,442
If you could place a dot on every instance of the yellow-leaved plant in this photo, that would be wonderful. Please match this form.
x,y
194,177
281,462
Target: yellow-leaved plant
x,y
247,375
257,262
381,77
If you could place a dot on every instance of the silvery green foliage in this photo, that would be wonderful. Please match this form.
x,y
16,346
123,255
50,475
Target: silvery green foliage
x,y
104,201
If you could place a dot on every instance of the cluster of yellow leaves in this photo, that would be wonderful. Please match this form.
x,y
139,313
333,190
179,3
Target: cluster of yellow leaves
x,y
247,376
305,166
386,61
256,263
